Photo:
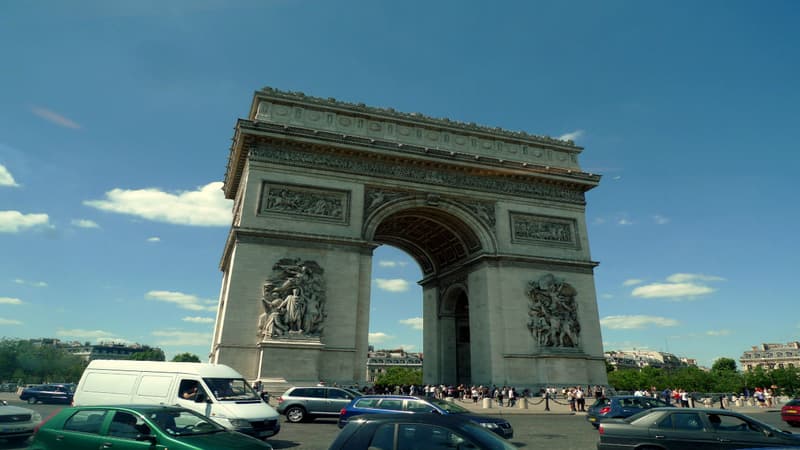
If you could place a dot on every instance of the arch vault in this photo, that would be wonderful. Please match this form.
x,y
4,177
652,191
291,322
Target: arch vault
x,y
495,219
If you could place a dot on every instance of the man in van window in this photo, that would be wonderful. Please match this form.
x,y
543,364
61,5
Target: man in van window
x,y
189,389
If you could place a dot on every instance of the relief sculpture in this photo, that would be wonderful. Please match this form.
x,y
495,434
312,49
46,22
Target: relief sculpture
x,y
305,202
293,301
553,313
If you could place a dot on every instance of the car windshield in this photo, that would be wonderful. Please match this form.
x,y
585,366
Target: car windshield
x,y
450,407
183,423
231,389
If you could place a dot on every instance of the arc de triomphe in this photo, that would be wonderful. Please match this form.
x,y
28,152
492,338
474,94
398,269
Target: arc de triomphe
x,y
495,219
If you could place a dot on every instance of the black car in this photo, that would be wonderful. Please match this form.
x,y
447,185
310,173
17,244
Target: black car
x,y
48,393
426,431
685,428
619,407
407,404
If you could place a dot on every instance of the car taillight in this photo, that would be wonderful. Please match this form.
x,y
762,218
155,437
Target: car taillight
x,y
36,428
280,400
605,410
342,411
600,429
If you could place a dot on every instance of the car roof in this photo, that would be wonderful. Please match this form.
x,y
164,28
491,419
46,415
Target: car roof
x,y
394,397
142,409
419,417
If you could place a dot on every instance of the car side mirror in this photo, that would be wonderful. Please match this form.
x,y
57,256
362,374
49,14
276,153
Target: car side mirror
x,y
436,411
200,397
146,437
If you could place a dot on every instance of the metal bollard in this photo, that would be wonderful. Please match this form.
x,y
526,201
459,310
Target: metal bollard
x,y
547,401
523,403
487,402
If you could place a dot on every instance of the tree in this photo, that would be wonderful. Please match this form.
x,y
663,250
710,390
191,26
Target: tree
x,y
724,364
148,354
186,357
395,376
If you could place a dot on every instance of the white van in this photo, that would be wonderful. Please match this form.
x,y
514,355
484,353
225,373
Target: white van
x,y
214,390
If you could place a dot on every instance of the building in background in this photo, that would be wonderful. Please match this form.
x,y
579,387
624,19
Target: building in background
x,y
637,359
378,362
771,356
89,352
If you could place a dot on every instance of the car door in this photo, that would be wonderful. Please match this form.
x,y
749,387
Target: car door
x,y
681,430
736,432
315,399
337,399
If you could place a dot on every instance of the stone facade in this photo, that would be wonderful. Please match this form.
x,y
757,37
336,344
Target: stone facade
x,y
495,219
771,356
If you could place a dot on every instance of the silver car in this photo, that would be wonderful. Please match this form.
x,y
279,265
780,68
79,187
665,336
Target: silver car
x,y
306,403
17,424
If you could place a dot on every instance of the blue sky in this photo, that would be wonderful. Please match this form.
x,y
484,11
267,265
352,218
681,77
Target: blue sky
x,y
116,119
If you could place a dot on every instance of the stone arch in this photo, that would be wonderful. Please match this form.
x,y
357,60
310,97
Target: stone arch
x,y
436,234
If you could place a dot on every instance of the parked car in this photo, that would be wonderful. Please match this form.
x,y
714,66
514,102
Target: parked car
x,y
684,428
16,423
619,407
48,393
387,404
137,427
790,412
305,403
416,432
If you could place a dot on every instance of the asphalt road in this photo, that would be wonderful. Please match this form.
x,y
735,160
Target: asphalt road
x,y
537,429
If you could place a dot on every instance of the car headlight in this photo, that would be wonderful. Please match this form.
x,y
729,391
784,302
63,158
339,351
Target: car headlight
x,y
36,417
240,423
489,425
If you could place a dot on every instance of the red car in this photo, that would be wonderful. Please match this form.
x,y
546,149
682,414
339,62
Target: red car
x,y
790,413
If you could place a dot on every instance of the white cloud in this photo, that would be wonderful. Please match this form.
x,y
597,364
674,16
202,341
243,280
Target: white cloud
x,y
393,285
79,333
624,222
15,221
572,136
54,117
175,337
85,223
660,220
197,319
206,206
607,296
689,277
671,290
632,282
154,239
185,301
31,283
414,322
599,220
10,301
6,179
718,332
379,338
408,347
636,321
384,263
9,322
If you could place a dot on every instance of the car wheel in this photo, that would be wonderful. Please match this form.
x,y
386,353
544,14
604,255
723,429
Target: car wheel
x,y
32,400
295,414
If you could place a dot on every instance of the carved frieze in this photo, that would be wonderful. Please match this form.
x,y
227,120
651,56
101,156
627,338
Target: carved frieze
x,y
293,301
376,197
390,169
414,129
553,312
484,211
529,228
312,203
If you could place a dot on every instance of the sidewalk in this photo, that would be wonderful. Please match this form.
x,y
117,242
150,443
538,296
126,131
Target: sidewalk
x,y
536,405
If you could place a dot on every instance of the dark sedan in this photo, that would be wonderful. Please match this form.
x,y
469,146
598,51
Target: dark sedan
x,y
48,393
790,413
619,407
684,428
388,404
416,432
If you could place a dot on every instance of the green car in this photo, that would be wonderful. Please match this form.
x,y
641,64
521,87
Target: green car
x,y
137,427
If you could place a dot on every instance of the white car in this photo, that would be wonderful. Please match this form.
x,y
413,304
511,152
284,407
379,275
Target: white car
x,y
17,424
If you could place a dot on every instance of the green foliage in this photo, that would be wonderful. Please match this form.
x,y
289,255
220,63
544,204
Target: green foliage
x,y
26,362
148,354
723,365
186,357
399,376
691,379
